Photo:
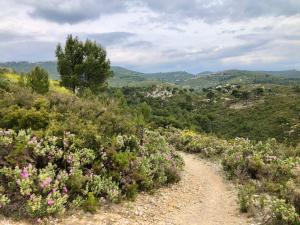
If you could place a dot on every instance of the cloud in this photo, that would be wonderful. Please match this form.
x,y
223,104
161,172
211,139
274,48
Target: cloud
x,y
139,44
151,35
11,36
110,38
27,51
73,11
216,10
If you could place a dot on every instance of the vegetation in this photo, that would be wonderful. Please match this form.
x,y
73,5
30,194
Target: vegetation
x,y
82,64
268,172
257,112
62,151
124,77
65,145
38,80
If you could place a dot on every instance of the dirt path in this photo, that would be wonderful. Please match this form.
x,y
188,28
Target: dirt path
x,y
202,197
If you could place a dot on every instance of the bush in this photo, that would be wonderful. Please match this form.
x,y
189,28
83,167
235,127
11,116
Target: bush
x,y
42,176
19,118
268,172
283,213
38,80
91,203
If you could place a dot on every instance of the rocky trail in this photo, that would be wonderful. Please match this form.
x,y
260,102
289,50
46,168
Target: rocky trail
x,y
202,197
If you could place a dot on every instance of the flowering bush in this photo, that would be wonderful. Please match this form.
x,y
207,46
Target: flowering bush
x,y
42,176
268,172
189,141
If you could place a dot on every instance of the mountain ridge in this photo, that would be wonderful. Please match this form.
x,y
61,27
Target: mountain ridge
x,y
126,77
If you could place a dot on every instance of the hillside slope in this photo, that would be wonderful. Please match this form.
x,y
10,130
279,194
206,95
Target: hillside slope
x,y
125,77
242,77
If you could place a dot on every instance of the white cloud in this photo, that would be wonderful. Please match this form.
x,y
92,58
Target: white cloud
x,y
148,38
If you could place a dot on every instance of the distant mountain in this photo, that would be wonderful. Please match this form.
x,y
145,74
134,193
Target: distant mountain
x,y
24,67
176,77
124,77
204,73
286,73
243,77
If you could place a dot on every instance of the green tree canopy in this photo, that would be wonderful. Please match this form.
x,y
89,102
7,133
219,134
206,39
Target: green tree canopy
x,y
38,80
82,64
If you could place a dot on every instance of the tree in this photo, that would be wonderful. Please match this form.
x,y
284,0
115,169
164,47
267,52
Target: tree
x,y
236,93
245,95
143,116
210,95
82,64
38,80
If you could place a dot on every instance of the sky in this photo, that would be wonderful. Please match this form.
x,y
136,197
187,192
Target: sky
x,y
159,35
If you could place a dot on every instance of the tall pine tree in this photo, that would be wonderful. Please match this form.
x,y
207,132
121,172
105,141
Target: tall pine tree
x,y
82,64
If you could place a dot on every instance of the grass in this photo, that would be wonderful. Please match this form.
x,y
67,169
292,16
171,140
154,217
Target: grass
x,y
54,84
12,77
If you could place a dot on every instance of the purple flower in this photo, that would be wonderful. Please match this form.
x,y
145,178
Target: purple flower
x,y
50,202
46,182
24,173
65,190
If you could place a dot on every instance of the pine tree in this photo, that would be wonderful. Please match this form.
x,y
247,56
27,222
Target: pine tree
x,y
82,64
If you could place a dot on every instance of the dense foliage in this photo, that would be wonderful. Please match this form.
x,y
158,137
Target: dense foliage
x,y
82,64
38,80
45,175
256,112
60,151
268,172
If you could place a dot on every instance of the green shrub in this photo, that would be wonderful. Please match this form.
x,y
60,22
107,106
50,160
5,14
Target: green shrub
x,y
91,203
245,197
45,175
283,213
38,80
268,172
20,118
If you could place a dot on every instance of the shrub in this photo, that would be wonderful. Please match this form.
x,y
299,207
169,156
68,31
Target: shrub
x,y
38,80
91,203
45,175
20,118
283,213
268,172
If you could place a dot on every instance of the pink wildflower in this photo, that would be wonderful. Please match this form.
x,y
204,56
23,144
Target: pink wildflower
x,y
32,141
50,202
24,173
46,182
65,190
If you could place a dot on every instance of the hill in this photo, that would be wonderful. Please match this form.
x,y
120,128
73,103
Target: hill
x,y
286,73
122,77
24,67
243,77
125,77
